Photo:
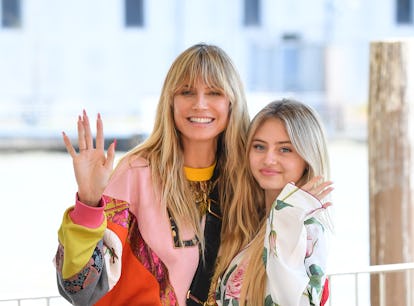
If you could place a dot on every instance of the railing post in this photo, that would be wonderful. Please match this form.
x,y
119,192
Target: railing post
x,y
356,290
391,165
410,298
381,289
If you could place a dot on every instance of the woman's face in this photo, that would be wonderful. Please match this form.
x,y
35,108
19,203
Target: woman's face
x,y
274,161
200,113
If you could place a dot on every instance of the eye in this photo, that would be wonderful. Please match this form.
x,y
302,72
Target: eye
x,y
186,92
258,147
285,150
215,93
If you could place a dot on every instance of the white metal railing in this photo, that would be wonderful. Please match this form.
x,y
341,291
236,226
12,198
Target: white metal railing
x,y
44,300
381,270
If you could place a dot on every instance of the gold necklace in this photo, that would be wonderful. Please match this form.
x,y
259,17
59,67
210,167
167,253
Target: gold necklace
x,y
201,192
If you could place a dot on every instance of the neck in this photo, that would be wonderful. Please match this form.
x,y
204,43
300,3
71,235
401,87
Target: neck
x,y
199,154
270,197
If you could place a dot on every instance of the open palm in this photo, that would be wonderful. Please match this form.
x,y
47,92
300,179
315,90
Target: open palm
x,y
92,166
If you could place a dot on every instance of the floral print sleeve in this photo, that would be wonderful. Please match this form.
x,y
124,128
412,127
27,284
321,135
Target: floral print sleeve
x,y
295,249
229,289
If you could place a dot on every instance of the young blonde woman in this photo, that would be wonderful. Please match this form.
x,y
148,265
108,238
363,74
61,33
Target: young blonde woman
x,y
273,249
147,233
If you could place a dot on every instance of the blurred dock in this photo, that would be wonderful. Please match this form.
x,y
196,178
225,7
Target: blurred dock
x,y
55,143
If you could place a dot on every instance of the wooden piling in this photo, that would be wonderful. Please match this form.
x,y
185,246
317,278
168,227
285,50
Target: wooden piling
x,y
391,166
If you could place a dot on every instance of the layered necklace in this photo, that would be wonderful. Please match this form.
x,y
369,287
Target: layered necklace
x,y
201,185
201,191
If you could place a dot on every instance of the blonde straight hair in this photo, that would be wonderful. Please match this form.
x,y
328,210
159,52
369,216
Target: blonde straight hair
x,y
163,147
246,222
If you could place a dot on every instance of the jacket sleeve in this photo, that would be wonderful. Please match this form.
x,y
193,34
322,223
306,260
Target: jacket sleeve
x,y
295,248
81,275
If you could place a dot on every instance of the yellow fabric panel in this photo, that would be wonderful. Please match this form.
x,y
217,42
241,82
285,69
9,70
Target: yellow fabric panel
x,y
199,174
78,242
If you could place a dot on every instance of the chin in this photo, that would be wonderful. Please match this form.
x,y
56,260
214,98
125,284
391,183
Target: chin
x,y
267,186
272,187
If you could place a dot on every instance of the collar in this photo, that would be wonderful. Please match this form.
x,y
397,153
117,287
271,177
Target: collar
x,y
199,174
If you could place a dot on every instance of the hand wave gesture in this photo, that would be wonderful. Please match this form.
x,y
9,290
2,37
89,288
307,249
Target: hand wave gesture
x,y
319,188
92,167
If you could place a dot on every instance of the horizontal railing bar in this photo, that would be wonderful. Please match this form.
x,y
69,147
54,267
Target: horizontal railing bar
x,y
376,269
32,298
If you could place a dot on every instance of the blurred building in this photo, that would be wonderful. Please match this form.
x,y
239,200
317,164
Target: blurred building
x,y
58,57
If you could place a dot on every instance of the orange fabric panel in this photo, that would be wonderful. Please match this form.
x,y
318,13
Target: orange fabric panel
x,y
119,230
137,286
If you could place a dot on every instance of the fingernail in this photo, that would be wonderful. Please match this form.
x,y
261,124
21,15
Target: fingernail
x,y
115,143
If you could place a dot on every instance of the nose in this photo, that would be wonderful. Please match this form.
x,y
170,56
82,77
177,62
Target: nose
x,y
270,158
200,102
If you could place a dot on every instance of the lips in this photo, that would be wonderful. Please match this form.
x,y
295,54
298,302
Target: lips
x,y
269,172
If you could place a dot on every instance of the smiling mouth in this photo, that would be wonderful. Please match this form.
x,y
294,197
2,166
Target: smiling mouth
x,y
200,120
269,172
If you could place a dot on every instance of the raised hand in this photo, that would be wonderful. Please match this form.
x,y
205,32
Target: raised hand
x,y
91,165
319,188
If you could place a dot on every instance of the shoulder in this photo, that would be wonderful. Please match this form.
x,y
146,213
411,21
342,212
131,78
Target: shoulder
x,y
130,166
130,163
130,173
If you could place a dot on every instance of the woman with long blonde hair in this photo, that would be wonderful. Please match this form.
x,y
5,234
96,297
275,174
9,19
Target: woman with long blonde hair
x,y
147,232
273,249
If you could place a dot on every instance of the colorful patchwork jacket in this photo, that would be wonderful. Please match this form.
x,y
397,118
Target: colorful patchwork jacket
x,y
118,254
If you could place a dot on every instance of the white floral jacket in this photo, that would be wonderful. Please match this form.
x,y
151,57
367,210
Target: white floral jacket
x,y
295,253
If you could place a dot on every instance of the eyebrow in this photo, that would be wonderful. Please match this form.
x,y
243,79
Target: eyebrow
x,y
278,142
190,87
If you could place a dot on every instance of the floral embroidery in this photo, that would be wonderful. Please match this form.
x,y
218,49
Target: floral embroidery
x,y
87,275
264,256
313,231
116,211
316,273
152,263
235,281
281,204
269,302
112,254
272,242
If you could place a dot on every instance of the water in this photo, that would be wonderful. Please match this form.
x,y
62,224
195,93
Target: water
x,y
37,187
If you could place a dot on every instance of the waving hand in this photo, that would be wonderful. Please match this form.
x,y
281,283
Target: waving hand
x,y
319,188
91,165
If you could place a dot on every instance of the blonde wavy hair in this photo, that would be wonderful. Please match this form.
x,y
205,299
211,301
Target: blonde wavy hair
x,y
246,221
163,147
